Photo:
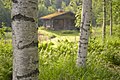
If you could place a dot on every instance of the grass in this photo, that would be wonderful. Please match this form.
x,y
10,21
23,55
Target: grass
x,y
58,61
58,55
5,60
98,33
59,32
72,35
8,35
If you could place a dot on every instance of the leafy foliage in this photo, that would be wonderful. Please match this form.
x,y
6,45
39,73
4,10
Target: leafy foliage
x,y
58,59
2,33
49,6
58,62
5,60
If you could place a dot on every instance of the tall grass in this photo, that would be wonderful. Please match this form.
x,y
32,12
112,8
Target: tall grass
x,y
59,63
58,59
5,60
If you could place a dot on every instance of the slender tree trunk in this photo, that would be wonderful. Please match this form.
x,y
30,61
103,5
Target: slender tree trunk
x,y
67,2
47,3
111,17
85,31
104,21
58,4
25,39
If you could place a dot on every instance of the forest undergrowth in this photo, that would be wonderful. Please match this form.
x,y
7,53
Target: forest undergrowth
x,y
58,60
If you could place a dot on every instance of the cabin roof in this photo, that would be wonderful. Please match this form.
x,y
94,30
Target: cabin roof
x,y
50,16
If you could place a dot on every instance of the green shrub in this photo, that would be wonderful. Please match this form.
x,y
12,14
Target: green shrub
x,y
113,52
67,32
5,60
59,62
2,33
8,29
52,36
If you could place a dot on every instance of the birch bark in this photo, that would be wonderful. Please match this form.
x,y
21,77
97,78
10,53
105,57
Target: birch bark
x,y
84,33
25,39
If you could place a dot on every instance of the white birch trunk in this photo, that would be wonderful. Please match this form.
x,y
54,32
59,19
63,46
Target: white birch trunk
x,y
84,33
25,39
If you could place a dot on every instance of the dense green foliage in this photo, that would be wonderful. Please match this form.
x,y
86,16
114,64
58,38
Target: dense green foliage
x,y
49,6
58,59
5,60
5,54
59,62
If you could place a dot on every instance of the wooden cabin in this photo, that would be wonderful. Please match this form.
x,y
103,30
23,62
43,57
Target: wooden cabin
x,y
59,21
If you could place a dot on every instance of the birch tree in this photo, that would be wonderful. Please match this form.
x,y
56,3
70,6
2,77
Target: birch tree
x,y
110,17
84,33
104,21
25,39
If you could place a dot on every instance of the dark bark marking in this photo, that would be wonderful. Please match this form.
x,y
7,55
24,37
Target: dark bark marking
x,y
87,24
80,62
33,7
24,7
85,47
89,21
83,61
83,29
84,56
34,72
22,17
80,56
79,45
79,51
13,32
32,2
83,43
32,44
35,62
88,29
14,1
82,38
